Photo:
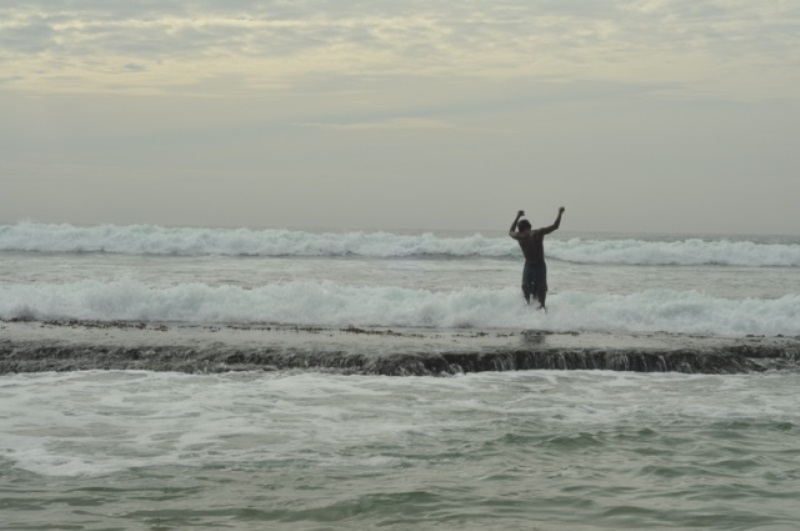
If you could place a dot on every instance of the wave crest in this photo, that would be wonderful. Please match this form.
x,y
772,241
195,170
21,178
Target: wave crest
x,y
154,240
330,304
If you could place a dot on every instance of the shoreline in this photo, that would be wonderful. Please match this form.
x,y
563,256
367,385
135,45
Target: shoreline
x,y
73,345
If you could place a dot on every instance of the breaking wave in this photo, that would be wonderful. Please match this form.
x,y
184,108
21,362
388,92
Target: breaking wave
x,y
155,240
329,304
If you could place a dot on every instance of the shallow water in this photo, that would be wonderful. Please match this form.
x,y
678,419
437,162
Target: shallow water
x,y
534,449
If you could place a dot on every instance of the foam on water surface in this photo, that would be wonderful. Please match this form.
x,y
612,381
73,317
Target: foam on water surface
x,y
96,423
330,304
556,450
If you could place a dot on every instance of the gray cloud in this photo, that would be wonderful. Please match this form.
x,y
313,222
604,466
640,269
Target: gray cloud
x,y
284,42
32,38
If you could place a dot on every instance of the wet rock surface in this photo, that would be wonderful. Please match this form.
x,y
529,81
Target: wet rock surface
x,y
29,346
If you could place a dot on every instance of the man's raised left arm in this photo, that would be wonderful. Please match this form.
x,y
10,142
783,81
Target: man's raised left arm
x,y
556,225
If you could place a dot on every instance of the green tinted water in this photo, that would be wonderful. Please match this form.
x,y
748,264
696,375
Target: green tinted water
x,y
529,450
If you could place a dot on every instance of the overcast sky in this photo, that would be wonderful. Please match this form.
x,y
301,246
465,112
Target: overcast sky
x,y
636,115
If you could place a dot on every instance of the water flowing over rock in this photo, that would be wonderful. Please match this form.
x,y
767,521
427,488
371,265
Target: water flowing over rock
x,y
72,346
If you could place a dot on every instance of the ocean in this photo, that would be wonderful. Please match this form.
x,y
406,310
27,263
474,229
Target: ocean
x,y
187,378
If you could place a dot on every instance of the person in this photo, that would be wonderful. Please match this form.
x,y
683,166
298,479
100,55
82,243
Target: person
x,y
534,274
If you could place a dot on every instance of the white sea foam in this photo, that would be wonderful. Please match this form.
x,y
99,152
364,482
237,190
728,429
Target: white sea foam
x,y
330,304
97,423
691,251
147,239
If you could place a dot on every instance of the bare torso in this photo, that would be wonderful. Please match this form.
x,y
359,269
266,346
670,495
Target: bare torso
x,y
532,245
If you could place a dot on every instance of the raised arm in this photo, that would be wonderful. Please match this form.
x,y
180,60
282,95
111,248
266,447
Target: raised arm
x,y
554,226
513,230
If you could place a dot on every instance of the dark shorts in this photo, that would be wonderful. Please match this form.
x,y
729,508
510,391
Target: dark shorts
x,y
534,279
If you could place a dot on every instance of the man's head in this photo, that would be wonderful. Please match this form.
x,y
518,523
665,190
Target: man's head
x,y
523,225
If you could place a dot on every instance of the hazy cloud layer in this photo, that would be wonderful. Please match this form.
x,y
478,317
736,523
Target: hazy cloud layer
x,y
731,48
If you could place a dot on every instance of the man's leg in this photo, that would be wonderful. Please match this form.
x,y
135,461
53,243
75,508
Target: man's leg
x,y
540,285
527,283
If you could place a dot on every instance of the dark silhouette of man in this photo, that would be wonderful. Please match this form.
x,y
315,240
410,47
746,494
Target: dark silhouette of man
x,y
534,274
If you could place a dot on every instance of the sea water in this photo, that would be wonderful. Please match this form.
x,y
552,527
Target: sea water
x,y
321,450
676,284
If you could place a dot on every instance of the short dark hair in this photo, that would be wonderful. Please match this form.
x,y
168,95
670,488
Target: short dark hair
x,y
523,224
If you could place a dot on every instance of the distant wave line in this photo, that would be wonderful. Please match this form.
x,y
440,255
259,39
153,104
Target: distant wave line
x,y
154,240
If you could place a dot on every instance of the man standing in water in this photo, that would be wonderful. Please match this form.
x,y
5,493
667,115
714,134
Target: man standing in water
x,y
534,275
